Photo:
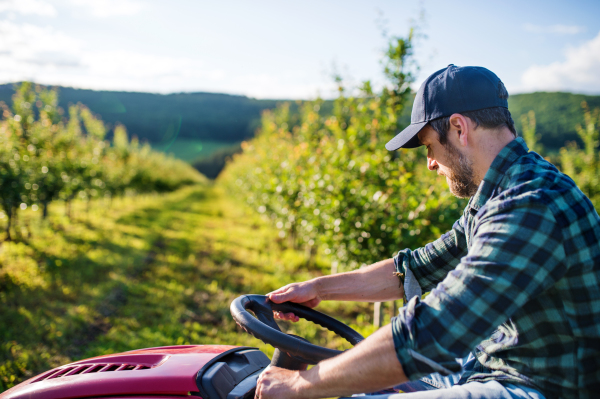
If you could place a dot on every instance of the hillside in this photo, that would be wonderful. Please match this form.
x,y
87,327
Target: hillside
x,y
195,125
160,118
557,114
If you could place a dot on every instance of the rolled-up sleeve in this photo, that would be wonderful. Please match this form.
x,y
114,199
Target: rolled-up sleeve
x,y
515,253
431,263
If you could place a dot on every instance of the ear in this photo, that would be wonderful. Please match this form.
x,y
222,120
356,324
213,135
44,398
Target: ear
x,y
460,128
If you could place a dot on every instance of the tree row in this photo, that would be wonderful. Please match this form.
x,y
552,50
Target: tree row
x,y
46,156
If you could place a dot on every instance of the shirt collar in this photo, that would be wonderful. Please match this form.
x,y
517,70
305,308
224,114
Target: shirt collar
x,y
505,158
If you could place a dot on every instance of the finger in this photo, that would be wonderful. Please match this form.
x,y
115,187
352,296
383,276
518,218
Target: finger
x,y
279,290
281,296
285,316
257,389
257,392
291,317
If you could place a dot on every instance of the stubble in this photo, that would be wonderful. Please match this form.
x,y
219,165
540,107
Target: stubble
x,y
461,176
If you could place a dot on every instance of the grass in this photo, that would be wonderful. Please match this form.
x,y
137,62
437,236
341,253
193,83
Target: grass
x,y
191,150
146,271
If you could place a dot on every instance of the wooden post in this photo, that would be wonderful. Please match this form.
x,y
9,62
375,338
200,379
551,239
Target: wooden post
x,y
393,310
378,315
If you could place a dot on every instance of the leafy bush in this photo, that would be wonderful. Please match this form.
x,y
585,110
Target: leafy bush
x,y
328,182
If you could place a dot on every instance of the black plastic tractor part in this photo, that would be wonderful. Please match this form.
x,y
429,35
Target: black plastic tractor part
x,y
232,375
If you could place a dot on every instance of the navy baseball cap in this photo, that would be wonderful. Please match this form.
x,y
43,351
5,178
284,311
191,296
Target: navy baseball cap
x,y
450,90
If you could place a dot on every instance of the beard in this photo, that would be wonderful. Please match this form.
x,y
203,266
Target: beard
x,y
461,177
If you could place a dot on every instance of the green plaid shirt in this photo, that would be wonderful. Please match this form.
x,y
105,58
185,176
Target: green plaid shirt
x,y
521,268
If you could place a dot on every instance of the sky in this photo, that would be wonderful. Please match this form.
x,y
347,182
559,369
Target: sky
x,y
291,50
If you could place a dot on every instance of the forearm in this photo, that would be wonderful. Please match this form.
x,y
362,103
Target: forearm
x,y
370,366
374,283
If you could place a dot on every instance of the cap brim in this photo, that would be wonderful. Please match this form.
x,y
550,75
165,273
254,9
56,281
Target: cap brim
x,y
406,138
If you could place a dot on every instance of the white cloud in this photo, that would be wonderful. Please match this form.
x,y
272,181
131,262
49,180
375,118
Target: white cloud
x,y
126,70
558,29
26,49
578,72
46,55
288,85
37,7
110,8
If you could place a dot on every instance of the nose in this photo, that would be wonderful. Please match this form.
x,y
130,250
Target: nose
x,y
432,164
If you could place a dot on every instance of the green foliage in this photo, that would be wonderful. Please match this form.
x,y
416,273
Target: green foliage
x,y
528,125
191,126
328,183
44,158
583,164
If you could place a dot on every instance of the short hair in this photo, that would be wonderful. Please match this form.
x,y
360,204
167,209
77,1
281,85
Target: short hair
x,y
489,118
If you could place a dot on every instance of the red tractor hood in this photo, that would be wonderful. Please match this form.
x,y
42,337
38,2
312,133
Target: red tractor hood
x,y
163,372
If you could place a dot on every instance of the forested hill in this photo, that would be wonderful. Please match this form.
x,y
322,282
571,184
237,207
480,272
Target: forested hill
x,y
556,114
159,118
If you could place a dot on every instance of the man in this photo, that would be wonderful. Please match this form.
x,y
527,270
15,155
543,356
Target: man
x,y
515,282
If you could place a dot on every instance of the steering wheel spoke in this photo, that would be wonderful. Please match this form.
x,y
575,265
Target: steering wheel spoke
x,y
264,313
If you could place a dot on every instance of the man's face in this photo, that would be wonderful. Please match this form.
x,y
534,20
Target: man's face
x,y
448,161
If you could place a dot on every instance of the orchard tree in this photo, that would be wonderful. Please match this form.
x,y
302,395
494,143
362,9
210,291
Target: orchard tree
x,y
44,157
14,176
583,164
327,181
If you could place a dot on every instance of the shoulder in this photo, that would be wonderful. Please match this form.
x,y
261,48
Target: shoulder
x,y
531,172
532,183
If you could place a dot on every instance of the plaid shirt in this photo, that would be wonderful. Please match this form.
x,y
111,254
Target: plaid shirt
x,y
521,268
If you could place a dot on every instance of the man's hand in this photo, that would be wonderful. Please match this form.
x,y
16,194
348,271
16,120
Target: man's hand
x,y
305,293
376,283
277,383
369,366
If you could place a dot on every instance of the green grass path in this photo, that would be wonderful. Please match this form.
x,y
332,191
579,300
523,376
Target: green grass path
x,y
146,271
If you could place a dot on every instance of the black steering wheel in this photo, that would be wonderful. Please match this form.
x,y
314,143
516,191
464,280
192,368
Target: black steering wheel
x,y
266,329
